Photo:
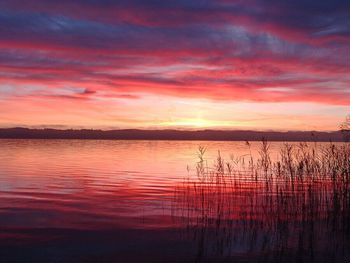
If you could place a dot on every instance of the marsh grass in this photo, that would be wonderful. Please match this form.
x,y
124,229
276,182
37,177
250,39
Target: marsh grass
x,y
294,208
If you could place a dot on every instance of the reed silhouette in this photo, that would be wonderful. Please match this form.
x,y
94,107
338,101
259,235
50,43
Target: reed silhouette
x,y
295,208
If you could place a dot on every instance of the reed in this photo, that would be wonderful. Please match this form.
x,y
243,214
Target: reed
x,y
299,202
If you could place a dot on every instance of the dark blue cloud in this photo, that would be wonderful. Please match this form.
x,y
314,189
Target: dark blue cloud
x,y
299,14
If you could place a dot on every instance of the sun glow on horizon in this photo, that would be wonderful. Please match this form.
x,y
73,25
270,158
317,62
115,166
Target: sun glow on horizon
x,y
203,123
147,111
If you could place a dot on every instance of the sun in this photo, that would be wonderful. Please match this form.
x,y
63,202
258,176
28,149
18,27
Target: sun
x,y
201,123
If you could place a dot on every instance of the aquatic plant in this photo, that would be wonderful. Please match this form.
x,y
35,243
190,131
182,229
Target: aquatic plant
x,y
284,209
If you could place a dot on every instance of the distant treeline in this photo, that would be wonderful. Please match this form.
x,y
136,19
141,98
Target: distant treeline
x,y
134,134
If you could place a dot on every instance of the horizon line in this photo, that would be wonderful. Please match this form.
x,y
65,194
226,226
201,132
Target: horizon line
x,y
195,135
163,129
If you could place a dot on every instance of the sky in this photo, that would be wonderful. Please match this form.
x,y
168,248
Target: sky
x,y
156,64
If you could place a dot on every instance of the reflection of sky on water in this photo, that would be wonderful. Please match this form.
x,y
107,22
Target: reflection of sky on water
x,y
63,191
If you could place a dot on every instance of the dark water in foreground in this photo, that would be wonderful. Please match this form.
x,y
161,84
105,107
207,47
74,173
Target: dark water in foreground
x,y
119,201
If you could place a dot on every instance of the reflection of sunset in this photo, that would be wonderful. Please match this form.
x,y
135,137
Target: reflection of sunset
x,y
82,179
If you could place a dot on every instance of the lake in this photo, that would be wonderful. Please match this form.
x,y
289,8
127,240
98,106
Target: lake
x,y
118,201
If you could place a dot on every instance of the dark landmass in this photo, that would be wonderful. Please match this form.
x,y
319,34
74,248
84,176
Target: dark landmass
x,y
134,134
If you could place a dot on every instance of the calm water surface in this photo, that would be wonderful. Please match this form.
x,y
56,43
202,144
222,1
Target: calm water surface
x,y
107,201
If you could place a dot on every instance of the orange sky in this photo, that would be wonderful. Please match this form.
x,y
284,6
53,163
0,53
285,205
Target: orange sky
x,y
158,111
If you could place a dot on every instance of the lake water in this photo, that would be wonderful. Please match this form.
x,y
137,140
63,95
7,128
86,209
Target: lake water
x,y
113,201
